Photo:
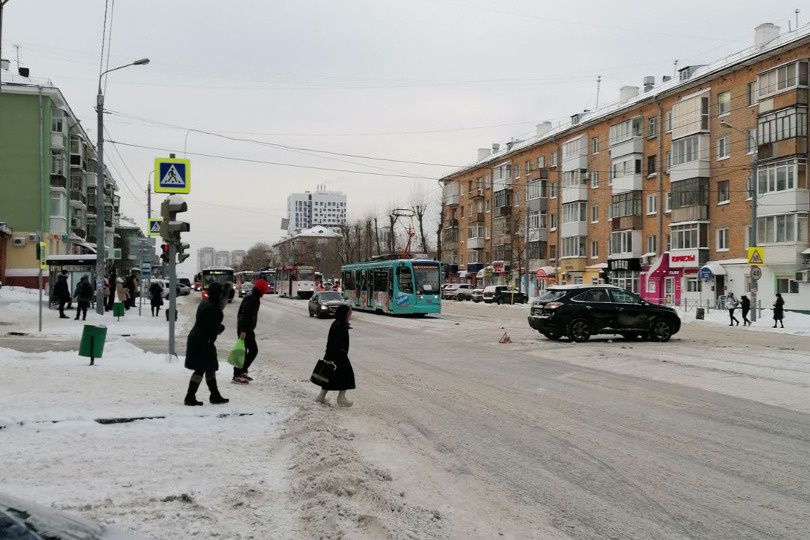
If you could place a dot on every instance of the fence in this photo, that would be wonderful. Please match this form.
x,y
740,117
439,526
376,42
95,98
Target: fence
x,y
686,305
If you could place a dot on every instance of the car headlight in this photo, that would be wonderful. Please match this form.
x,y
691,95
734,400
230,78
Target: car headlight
x,y
324,306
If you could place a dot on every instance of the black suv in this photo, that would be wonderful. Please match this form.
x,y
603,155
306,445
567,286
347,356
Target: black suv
x,y
501,294
578,311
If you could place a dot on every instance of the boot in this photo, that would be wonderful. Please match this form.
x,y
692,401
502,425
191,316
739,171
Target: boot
x,y
191,395
215,398
342,400
322,398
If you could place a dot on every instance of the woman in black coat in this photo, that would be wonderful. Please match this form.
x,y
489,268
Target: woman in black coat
x,y
337,351
156,298
778,310
201,350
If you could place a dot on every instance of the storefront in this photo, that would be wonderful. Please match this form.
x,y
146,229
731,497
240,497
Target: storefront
x,y
662,283
473,270
625,273
545,276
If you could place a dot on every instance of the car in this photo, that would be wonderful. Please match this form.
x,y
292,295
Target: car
x,y
580,311
477,295
325,303
449,291
464,292
164,284
185,281
245,289
501,294
183,289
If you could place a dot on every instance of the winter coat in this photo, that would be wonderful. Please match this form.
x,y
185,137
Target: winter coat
x,y
745,304
201,350
84,291
121,292
248,313
778,309
732,302
156,294
337,351
60,290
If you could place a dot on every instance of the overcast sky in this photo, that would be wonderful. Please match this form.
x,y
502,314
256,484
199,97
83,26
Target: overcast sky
x,y
416,84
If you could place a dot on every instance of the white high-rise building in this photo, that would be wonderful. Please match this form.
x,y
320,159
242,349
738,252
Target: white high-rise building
x,y
222,258
237,256
205,258
308,209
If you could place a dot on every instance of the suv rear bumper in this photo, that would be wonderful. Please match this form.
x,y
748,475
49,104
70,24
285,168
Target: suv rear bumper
x,y
544,323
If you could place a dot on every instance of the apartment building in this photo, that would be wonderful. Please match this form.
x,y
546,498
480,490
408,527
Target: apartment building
x,y
654,191
321,208
48,180
205,258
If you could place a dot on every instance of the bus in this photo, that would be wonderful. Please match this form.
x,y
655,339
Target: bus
x,y
269,275
394,286
220,274
295,281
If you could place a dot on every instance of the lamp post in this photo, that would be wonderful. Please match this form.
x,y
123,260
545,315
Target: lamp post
x,y
753,239
100,247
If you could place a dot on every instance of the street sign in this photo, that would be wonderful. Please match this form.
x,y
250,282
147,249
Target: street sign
x,y
705,273
756,273
172,175
146,268
756,256
154,226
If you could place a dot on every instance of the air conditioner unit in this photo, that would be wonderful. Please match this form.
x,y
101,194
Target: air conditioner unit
x,y
18,241
32,237
803,275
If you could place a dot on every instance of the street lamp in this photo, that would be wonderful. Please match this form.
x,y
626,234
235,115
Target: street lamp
x,y
100,248
753,239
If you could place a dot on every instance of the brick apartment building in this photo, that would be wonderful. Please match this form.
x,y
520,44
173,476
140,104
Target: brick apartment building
x,y
653,192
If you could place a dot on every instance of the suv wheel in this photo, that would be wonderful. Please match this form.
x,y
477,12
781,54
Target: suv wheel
x,y
660,330
579,330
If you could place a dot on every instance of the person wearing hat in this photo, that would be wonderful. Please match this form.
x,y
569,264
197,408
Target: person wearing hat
x,y
246,320
84,295
201,350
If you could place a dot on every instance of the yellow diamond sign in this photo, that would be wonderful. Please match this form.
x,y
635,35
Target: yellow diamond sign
x,y
756,256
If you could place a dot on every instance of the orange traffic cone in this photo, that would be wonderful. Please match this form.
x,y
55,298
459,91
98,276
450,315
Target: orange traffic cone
x,y
505,338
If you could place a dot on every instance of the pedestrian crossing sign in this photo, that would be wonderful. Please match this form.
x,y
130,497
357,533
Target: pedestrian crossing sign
x,y
154,226
756,256
172,175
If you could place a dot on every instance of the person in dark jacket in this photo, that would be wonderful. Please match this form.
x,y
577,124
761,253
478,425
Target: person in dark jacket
x,y
84,295
745,305
201,350
246,320
62,293
337,351
155,298
778,310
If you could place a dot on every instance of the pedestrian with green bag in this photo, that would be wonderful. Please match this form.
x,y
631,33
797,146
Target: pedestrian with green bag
x,y
246,320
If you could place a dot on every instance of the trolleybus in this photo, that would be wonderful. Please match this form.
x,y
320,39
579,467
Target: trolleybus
x,y
220,274
393,286
295,281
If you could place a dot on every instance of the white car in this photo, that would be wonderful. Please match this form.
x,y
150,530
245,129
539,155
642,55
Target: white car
x,y
164,284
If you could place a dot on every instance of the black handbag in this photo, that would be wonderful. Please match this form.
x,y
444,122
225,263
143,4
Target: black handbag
x,y
323,372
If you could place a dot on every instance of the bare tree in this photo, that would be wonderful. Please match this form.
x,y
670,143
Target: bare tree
x,y
419,205
258,256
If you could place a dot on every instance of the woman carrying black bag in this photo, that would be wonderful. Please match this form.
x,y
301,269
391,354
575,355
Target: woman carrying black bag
x,y
337,351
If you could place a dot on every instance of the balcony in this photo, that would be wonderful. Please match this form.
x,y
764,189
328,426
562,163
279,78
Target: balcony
x,y
59,182
783,100
538,235
477,193
539,174
476,243
690,213
77,199
785,202
451,224
503,211
539,204
502,239
449,245
451,200
623,184
783,148
574,228
57,141
575,162
627,223
477,217
624,148
574,193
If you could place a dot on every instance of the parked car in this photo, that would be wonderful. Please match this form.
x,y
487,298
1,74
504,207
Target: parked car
x,y
185,281
501,294
449,291
477,295
245,289
464,291
324,304
183,289
579,311
164,284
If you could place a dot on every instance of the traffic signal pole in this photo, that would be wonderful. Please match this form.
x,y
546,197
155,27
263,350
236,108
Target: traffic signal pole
x,y
172,312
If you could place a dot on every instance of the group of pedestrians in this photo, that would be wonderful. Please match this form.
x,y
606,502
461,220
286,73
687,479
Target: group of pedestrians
x,y
744,303
201,352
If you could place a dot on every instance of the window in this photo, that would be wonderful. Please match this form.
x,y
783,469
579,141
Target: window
x,y
651,243
515,171
786,285
669,121
722,147
626,167
527,167
553,220
621,242
541,162
751,93
685,150
552,252
782,228
594,178
476,230
574,148
652,126
57,120
722,239
573,246
690,116
782,78
627,204
723,192
594,249
536,220
536,189
750,141
573,212
723,103
668,202
691,192
488,180
652,204
552,190
573,178
692,284
58,204
689,236
625,131
554,159
781,176
595,213
595,145
783,124
651,165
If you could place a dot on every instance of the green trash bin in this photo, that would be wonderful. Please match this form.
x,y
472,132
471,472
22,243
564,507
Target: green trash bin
x,y
92,343
699,313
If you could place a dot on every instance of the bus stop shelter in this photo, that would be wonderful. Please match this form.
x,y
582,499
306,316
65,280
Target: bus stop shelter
x,y
77,266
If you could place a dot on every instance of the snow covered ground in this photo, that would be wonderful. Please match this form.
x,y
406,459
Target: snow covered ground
x,y
61,443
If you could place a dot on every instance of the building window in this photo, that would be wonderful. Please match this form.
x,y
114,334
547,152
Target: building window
x,y
594,178
786,285
552,188
552,252
722,239
723,192
595,145
651,165
689,236
554,159
652,126
669,121
788,228
625,131
594,249
751,93
541,162
668,202
627,204
652,204
527,167
691,192
57,120
553,221
651,243
692,284
573,212
621,242
782,78
573,246
685,150
722,147
781,176
690,116
595,213
723,103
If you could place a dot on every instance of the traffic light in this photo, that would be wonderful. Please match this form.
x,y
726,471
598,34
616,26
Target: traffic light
x,y
181,252
164,252
170,227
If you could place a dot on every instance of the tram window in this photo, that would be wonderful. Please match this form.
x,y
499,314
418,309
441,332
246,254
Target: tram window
x,y
405,279
380,279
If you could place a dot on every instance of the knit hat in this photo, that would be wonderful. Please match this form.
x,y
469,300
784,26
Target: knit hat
x,y
262,286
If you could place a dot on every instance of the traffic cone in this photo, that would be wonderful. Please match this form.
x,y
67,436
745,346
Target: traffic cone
x,y
505,338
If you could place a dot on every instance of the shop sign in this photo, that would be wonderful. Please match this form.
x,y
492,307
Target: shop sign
x,y
631,265
682,258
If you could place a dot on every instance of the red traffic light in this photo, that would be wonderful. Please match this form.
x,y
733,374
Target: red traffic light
x,y
164,248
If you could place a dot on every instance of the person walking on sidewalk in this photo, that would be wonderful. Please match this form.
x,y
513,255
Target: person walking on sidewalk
x,y
337,351
155,298
84,295
778,310
731,305
62,293
246,320
745,305
201,350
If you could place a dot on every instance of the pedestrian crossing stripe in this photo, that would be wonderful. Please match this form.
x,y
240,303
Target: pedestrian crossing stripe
x,y
172,175
154,226
755,256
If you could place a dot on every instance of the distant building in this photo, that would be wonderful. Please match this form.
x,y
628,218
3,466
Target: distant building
x,y
205,258
222,258
237,256
308,209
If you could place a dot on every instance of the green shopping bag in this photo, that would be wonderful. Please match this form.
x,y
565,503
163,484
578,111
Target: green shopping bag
x,y
236,357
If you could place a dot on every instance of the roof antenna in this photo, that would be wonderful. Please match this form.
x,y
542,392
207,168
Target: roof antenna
x,y
675,69
598,85
797,18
